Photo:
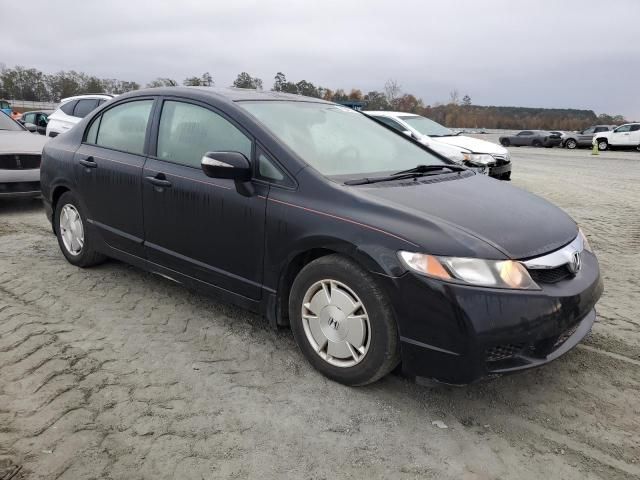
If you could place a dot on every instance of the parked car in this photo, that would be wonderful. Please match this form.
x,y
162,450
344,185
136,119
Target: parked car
x,y
5,107
480,154
584,138
20,152
72,110
532,138
39,119
374,249
624,136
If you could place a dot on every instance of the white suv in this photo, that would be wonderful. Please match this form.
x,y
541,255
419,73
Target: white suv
x,y
72,110
488,157
627,136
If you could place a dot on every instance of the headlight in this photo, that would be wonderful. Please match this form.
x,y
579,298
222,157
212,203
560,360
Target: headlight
x,y
473,271
585,242
479,158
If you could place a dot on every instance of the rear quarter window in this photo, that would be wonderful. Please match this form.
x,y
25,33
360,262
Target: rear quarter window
x,y
68,107
83,107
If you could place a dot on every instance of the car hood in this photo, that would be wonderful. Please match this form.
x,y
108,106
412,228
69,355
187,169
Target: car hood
x,y
21,142
474,144
517,223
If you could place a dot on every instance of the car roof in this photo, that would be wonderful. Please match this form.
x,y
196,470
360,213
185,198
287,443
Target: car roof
x,y
230,93
106,96
389,113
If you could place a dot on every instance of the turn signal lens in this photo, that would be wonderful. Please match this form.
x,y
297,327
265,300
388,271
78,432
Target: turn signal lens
x,y
425,264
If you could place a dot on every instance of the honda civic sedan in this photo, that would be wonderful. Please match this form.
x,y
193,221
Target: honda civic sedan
x,y
374,249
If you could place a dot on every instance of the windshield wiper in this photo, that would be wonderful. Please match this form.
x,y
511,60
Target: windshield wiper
x,y
430,168
418,171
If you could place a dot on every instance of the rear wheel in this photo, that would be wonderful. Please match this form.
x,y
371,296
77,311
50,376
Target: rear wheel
x,y
74,240
603,145
343,321
505,142
571,144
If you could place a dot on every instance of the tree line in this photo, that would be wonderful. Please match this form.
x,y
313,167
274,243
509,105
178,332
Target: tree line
x,y
32,84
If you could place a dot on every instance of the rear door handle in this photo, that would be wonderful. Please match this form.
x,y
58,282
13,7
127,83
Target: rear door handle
x,y
158,182
88,162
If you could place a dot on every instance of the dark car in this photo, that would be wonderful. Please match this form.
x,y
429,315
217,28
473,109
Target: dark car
x,y
374,249
532,138
38,118
584,138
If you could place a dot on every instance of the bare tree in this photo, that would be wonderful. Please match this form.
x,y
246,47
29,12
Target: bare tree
x,y
454,97
392,90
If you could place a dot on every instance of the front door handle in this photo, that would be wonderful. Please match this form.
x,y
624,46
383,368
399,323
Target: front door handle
x,y
158,181
88,162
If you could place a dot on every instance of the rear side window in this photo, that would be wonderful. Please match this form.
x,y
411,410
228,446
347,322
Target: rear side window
x,y
188,131
635,128
123,127
83,107
599,129
68,107
393,124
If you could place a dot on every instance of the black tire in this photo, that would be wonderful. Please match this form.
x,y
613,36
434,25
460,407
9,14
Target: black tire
x,y
638,148
536,143
383,353
603,145
571,144
87,256
505,142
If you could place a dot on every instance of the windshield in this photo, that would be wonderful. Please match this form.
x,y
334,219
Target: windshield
x,y
427,127
7,124
336,140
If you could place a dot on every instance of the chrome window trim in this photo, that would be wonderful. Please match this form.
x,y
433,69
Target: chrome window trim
x,y
558,258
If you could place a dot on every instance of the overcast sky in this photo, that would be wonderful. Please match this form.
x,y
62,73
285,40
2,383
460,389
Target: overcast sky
x,y
545,53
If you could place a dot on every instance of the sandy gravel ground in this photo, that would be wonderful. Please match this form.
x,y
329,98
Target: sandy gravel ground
x,y
114,373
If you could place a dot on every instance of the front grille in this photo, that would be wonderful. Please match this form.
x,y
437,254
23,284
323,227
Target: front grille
x,y
19,162
502,352
550,275
19,187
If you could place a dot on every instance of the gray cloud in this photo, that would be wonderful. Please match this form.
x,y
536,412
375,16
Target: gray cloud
x,y
545,53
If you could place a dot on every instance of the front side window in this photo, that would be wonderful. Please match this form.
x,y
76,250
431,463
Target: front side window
x,y
189,131
427,127
524,134
589,130
336,140
123,127
83,107
29,118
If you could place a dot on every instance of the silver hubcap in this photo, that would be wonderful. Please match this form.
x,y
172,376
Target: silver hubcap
x,y
336,323
602,145
571,144
71,229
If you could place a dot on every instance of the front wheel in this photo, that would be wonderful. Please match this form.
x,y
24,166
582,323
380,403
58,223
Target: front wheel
x,y
70,226
505,142
603,145
536,144
343,321
571,144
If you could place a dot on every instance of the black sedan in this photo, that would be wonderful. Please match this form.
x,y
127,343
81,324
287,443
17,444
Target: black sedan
x,y
532,138
373,248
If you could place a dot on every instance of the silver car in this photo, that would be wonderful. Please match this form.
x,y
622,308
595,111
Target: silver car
x,y
20,152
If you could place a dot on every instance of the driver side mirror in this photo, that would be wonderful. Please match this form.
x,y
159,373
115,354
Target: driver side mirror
x,y
230,165
31,127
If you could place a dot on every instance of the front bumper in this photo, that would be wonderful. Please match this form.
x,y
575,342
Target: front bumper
x,y
458,334
20,183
